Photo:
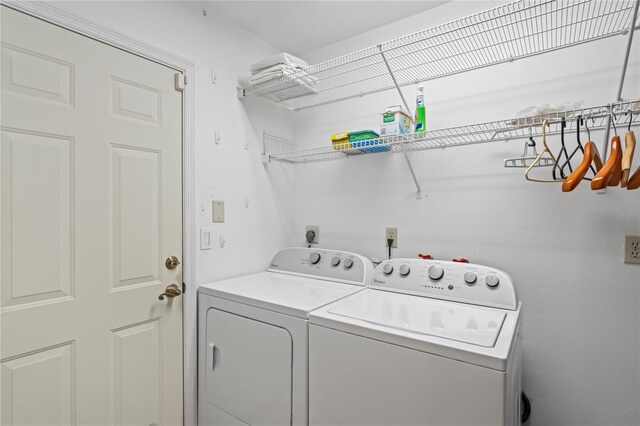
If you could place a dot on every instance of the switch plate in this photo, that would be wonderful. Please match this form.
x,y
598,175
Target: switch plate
x,y
314,228
632,249
205,239
391,233
218,211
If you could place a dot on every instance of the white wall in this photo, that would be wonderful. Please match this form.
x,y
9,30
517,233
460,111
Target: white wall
x,y
226,171
581,304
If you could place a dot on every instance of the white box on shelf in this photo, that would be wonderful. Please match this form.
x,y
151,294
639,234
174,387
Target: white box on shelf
x,y
395,122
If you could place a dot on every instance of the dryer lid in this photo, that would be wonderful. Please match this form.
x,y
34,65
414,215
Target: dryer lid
x,y
424,316
287,294
297,281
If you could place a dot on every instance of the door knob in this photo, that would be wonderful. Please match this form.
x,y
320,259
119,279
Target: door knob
x,y
172,262
171,291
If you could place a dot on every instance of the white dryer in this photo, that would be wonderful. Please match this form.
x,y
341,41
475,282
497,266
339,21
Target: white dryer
x,y
427,343
253,336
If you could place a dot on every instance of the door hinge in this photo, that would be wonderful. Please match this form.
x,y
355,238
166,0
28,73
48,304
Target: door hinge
x,y
184,288
181,81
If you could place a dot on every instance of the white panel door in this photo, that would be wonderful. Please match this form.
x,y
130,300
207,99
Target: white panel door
x,y
249,368
90,208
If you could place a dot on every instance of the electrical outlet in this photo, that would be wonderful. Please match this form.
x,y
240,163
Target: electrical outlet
x,y
314,228
218,211
392,233
632,249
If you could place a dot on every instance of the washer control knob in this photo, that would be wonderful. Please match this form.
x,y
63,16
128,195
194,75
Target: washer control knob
x,y
470,278
492,281
436,272
387,268
335,261
348,263
314,258
404,270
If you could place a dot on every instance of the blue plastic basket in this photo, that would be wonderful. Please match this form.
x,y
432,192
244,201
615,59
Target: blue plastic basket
x,y
366,141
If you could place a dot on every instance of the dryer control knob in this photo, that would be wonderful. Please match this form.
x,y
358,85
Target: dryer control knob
x,y
335,261
470,278
404,270
436,272
387,268
348,263
314,258
492,281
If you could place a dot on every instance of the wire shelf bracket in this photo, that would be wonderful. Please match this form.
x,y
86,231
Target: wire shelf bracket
x,y
406,105
605,143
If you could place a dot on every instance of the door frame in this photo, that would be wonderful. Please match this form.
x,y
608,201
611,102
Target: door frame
x,y
71,22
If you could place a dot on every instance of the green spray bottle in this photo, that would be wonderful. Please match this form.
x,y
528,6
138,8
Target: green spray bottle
x,y
421,113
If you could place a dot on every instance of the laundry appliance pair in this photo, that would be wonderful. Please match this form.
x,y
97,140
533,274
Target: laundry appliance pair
x,y
321,338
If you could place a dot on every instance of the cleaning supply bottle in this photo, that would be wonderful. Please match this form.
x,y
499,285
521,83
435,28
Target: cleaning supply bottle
x,y
420,110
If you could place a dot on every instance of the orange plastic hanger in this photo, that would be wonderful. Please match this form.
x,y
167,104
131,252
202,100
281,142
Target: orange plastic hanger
x,y
627,157
634,180
540,157
611,172
591,155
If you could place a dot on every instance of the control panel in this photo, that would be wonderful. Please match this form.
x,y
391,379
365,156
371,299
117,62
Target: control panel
x,y
461,282
332,265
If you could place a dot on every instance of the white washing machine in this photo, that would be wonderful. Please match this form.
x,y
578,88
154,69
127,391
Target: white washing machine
x,y
253,336
427,343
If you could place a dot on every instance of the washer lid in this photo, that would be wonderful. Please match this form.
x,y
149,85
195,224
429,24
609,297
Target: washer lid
x,y
427,325
455,321
288,294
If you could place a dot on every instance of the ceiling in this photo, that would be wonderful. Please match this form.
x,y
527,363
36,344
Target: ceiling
x,y
303,26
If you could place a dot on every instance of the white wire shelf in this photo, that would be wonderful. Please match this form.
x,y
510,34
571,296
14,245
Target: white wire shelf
x,y
494,131
503,34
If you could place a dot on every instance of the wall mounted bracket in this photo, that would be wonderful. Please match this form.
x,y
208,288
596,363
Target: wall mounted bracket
x,y
406,106
625,62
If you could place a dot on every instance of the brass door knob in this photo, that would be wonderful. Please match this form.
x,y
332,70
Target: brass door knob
x,y
171,291
172,262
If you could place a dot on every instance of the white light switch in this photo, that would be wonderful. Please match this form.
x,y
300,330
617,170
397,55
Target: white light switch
x,y
218,211
205,239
